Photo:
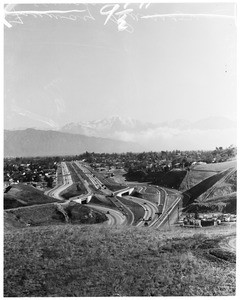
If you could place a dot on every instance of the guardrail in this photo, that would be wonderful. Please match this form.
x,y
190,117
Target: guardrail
x,y
162,219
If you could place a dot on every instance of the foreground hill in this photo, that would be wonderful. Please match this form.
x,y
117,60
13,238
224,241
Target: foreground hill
x,y
96,260
31,142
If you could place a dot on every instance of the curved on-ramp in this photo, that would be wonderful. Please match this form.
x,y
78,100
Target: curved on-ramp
x,y
150,210
114,217
67,182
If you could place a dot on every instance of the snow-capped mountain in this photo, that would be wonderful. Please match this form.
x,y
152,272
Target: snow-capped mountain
x,y
203,134
107,127
116,134
115,124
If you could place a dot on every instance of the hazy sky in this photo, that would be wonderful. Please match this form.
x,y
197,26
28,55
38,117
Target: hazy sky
x,y
59,70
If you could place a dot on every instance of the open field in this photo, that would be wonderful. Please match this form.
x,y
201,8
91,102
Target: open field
x,y
119,176
83,260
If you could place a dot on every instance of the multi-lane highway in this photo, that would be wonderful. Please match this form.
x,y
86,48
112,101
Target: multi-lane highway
x,y
169,214
126,210
96,183
115,217
150,209
67,182
123,214
160,205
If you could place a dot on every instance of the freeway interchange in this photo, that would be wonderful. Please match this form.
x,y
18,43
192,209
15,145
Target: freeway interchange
x,y
126,209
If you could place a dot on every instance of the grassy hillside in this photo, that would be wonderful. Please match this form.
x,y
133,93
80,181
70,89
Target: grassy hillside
x,y
205,187
50,215
171,179
97,260
199,173
24,195
222,188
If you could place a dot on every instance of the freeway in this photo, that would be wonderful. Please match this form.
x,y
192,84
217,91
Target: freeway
x,y
150,208
114,217
67,182
159,192
166,206
89,192
97,184
152,211
122,214
126,210
115,199
167,214
155,190
156,215
141,189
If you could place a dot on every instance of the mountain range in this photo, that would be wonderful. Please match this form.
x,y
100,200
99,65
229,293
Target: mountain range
x,y
32,142
115,124
118,134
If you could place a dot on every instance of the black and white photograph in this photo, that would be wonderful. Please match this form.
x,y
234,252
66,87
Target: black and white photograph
x,y
119,149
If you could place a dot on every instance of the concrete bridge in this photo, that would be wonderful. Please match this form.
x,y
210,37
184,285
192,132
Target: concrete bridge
x,y
82,199
126,191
